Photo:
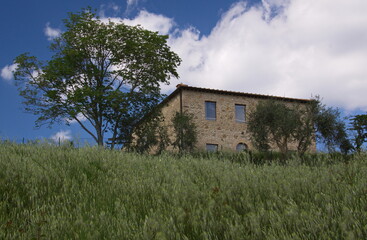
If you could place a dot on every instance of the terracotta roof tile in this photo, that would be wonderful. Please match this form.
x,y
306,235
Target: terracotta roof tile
x,y
211,90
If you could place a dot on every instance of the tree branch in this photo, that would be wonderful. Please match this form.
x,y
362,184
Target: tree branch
x,y
86,129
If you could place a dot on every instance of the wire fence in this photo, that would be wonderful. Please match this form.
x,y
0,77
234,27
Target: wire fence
x,y
78,142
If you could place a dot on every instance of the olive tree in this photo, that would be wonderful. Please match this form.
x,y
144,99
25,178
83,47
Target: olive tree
x,y
149,134
282,124
358,126
329,127
185,131
273,122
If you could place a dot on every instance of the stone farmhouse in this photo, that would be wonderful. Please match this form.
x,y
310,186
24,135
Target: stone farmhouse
x,y
220,116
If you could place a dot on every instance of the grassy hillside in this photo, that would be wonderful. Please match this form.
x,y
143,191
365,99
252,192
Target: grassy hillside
x,y
61,193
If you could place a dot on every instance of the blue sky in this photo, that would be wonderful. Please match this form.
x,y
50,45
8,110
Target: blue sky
x,y
291,48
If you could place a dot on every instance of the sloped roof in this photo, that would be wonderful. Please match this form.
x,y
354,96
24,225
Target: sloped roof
x,y
181,86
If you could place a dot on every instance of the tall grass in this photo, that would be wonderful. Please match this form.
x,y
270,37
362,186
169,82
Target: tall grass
x,y
89,193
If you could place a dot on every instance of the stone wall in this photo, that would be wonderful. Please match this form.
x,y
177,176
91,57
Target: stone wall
x,y
168,111
225,131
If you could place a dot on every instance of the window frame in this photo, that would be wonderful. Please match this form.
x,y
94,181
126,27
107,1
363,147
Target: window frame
x,y
216,147
244,113
207,109
243,149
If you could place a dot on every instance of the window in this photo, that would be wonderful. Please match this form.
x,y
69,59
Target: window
x,y
241,147
210,110
240,113
211,147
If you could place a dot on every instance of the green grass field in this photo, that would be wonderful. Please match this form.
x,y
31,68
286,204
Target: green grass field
x,y
88,193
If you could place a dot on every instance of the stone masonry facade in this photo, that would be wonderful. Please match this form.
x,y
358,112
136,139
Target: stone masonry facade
x,y
225,133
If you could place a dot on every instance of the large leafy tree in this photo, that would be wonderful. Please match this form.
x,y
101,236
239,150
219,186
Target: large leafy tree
x,y
107,74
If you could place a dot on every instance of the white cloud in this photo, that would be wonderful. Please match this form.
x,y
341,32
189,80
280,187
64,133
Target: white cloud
x,y
131,2
111,6
115,7
62,136
79,116
7,72
51,33
152,22
149,21
291,48
130,5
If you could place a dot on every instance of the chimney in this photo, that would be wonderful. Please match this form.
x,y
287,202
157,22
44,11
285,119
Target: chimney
x,y
181,85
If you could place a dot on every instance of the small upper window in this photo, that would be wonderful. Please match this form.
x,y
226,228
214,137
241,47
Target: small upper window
x,y
240,113
211,147
241,147
210,110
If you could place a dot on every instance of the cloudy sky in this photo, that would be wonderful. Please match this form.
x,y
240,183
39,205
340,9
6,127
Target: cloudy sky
x,y
291,48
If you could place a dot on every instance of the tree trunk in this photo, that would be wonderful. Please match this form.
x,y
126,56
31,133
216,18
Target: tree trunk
x,y
99,136
100,142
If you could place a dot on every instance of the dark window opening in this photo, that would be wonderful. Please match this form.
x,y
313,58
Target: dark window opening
x,y
210,111
240,113
211,147
241,147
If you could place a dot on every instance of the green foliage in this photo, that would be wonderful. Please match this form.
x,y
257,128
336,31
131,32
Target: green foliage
x,y
106,73
89,193
273,122
280,123
185,131
330,128
150,134
359,127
